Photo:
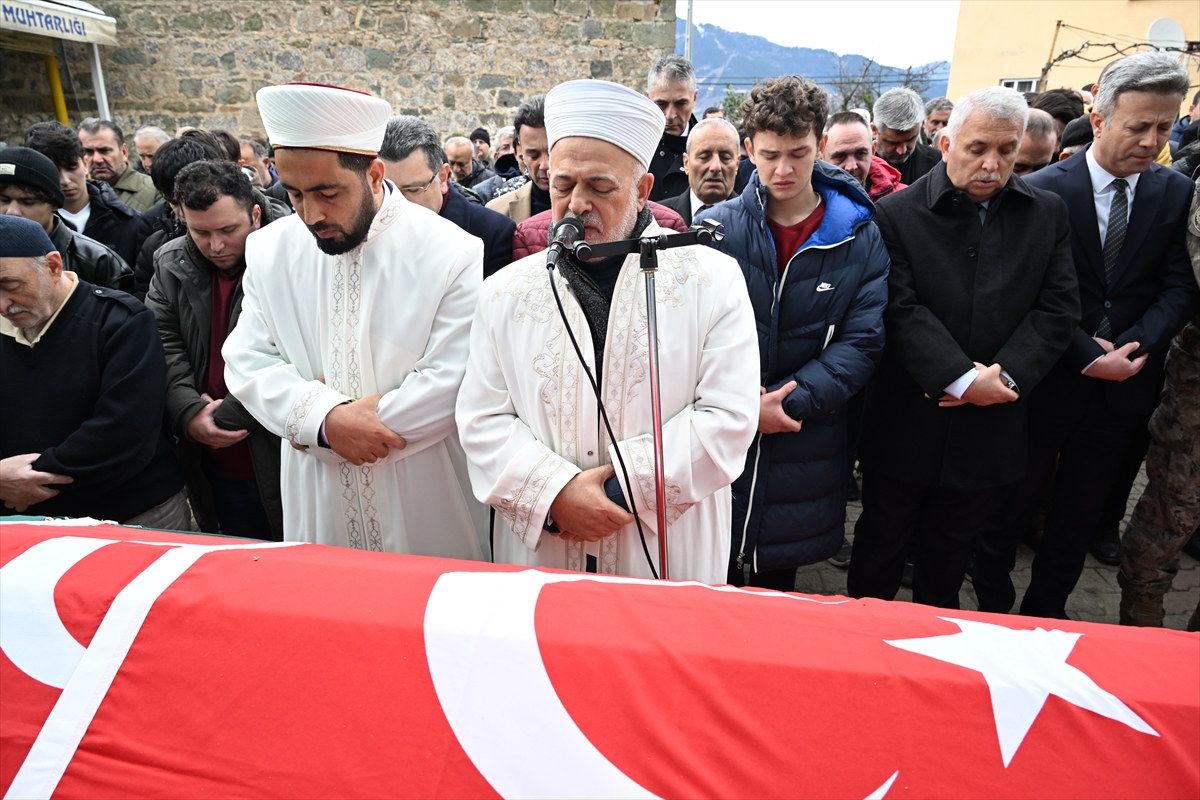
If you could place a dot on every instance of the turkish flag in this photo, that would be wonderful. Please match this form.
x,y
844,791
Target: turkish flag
x,y
311,671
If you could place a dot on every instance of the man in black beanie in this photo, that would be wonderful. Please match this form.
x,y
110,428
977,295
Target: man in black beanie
x,y
84,374
29,188
483,146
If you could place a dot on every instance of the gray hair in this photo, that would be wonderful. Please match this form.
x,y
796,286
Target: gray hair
x,y
671,69
158,133
459,141
938,104
1155,72
1040,125
713,122
507,132
899,109
260,152
39,264
997,102
405,135
93,125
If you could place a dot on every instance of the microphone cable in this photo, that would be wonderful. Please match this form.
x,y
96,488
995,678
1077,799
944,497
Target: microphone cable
x,y
603,415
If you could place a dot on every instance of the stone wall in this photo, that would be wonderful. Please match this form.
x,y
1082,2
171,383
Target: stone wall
x,y
458,64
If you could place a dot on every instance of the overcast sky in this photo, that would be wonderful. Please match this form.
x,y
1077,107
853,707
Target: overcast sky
x,y
898,33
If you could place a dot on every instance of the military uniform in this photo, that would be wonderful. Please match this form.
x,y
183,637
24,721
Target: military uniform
x,y
1168,513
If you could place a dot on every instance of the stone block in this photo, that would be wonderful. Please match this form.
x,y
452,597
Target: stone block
x,y
231,95
254,22
642,12
229,62
378,59
191,87
593,29
541,6
507,98
290,61
448,100
188,22
393,23
601,69
493,81
128,55
204,60
467,28
218,19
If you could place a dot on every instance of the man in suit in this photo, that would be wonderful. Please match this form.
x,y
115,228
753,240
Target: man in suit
x,y
711,164
1128,219
415,162
982,303
899,114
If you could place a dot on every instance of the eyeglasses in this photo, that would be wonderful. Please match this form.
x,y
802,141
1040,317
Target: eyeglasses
x,y
417,191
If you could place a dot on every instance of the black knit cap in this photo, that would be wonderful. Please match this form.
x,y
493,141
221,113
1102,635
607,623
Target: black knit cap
x,y
21,165
1077,132
23,238
480,133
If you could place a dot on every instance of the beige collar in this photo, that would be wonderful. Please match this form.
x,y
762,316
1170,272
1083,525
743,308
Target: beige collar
x,y
8,329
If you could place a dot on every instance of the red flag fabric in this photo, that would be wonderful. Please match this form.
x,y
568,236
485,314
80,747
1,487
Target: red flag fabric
x,y
147,664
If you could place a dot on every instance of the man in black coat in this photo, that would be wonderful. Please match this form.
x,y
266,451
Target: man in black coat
x,y
982,303
92,207
232,463
1128,221
416,163
29,188
84,381
899,114
671,84
711,163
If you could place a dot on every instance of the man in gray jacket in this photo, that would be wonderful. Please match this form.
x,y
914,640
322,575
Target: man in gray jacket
x,y
231,462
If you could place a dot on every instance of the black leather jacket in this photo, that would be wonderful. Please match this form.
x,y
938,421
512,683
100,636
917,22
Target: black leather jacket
x,y
91,261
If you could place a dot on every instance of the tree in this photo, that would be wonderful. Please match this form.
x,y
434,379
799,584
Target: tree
x,y
862,87
731,104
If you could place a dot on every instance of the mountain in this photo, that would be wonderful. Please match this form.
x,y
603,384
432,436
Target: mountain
x,y
726,57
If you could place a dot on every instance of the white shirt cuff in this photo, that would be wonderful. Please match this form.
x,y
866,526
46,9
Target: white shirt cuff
x,y
960,386
1089,366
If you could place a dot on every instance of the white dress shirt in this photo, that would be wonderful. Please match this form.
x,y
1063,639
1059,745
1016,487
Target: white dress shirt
x,y
1102,191
697,204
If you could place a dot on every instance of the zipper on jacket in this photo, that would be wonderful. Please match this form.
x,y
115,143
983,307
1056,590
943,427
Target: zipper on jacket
x,y
750,503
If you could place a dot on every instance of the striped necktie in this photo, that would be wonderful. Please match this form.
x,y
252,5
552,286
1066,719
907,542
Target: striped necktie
x,y
1118,222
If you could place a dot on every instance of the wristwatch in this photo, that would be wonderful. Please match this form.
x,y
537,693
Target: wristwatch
x,y
1009,383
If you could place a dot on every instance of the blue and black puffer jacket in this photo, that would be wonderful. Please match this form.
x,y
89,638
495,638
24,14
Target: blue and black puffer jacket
x,y
822,326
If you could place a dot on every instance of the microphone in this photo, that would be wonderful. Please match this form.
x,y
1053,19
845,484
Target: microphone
x,y
567,233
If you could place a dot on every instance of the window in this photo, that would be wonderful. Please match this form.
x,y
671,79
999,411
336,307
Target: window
x,y
1020,84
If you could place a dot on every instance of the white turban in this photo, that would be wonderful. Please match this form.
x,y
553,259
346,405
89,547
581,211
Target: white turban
x,y
320,117
606,111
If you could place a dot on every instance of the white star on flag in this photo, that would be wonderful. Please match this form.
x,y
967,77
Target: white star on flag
x,y
1022,669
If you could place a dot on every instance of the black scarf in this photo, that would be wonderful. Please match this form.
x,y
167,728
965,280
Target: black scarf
x,y
593,283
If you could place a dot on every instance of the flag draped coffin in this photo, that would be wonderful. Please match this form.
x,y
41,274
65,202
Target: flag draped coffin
x,y
146,664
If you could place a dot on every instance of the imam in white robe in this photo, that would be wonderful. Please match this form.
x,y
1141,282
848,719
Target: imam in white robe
x,y
529,422
392,316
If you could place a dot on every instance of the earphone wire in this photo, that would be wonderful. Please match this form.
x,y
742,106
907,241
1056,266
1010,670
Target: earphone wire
x,y
604,415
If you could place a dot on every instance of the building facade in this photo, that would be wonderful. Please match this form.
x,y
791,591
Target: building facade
x,y
1009,43
458,64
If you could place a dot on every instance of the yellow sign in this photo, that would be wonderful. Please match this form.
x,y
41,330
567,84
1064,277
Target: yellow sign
x,y
59,21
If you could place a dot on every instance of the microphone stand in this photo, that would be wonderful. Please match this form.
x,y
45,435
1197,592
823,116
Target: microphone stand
x,y
704,233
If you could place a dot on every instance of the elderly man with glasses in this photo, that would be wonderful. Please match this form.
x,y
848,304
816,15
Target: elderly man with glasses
x,y
415,161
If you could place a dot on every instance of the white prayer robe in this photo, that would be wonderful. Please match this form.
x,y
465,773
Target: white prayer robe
x,y
529,423
391,316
